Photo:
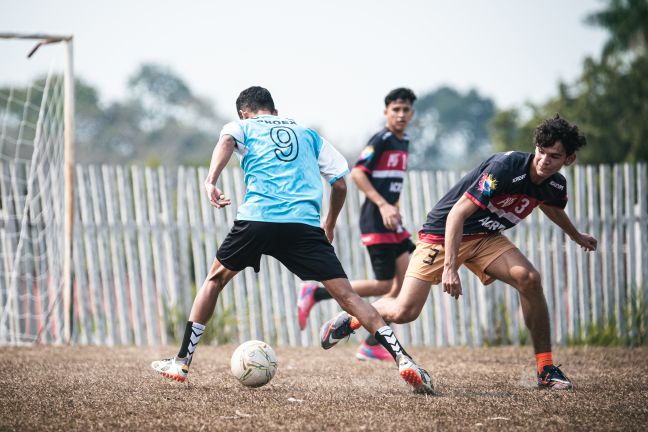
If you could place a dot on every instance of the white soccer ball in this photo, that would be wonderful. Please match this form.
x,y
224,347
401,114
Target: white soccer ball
x,y
254,363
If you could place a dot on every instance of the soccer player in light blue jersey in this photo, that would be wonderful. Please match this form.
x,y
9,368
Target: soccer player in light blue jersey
x,y
282,162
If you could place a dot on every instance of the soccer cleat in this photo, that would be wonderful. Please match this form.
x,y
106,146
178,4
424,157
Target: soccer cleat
x,y
372,353
306,302
338,328
415,375
553,378
171,368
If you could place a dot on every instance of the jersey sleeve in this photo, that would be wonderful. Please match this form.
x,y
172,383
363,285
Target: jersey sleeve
x,y
558,198
489,183
369,155
235,130
332,164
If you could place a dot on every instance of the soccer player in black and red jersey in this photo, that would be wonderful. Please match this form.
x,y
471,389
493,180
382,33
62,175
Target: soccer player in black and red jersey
x,y
379,174
465,228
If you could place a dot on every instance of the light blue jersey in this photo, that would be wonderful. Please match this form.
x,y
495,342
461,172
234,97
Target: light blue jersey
x,y
282,162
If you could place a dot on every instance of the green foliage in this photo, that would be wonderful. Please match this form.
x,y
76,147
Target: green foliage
x,y
603,333
501,323
627,22
220,328
160,120
635,319
609,101
450,129
523,335
598,335
159,83
175,322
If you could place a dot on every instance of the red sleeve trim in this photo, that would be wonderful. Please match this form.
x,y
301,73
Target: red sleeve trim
x,y
475,200
363,168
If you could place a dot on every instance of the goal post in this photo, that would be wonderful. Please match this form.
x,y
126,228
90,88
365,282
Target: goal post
x,y
37,197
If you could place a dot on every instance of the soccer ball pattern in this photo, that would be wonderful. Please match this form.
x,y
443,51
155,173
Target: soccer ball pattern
x,y
254,363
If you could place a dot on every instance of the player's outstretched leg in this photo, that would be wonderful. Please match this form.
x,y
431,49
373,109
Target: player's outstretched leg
x,y
177,368
513,268
343,325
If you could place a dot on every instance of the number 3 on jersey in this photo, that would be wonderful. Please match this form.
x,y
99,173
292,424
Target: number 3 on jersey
x,y
525,203
286,139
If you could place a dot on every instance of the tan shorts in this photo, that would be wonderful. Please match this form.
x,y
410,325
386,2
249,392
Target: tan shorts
x,y
427,260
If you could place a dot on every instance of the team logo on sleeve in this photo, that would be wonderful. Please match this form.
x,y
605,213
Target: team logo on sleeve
x,y
487,184
367,153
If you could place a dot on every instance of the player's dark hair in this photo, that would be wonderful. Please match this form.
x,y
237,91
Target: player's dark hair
x,y
254,99
558,129
401,93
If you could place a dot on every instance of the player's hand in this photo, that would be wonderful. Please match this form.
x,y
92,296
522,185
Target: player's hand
x,y
329,230
391,217
451,282
216,196
586,241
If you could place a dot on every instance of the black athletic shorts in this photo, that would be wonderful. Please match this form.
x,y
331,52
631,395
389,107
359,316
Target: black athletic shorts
x,y
303,249
383,257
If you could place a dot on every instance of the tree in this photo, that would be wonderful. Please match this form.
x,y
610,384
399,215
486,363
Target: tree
x,y
162,119
450,128
609,101
627,22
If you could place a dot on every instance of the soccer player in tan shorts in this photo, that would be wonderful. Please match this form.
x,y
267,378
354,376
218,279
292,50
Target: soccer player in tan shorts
x,y
464,228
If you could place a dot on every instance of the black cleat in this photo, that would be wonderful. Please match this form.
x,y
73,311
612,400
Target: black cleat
x,y
553,378
336,329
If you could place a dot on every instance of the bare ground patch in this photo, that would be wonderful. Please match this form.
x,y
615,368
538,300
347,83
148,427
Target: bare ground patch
x,y
99,388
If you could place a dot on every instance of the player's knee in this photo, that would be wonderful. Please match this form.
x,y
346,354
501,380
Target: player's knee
x,y
214,282
405,314
529,282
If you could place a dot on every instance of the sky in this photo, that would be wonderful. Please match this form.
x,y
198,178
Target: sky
x,y
328,64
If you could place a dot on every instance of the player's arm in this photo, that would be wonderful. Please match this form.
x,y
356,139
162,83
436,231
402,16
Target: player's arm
x,y
560,218
336,201
220,156
391,217
461,211
333,167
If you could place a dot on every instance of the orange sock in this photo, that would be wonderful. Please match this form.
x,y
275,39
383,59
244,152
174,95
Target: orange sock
x,y
543,359
355,324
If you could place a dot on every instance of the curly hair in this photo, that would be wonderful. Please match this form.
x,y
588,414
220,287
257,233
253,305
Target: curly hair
x,y
558,129
401,93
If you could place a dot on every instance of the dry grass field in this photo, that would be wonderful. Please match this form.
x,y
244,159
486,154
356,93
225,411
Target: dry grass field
x,y
485,389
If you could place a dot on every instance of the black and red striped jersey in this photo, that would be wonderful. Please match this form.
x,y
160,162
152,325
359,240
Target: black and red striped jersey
x,y
501,186
384,160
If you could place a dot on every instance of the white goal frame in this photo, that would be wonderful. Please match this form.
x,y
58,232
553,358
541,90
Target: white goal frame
x,y
68,163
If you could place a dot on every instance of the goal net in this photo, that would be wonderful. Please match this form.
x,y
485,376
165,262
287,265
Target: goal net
x,y
32,190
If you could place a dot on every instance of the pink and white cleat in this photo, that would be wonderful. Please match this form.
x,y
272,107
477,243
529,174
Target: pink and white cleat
x,y
306,302
372,353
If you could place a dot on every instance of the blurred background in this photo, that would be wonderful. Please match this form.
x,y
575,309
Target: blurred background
x,y
156,80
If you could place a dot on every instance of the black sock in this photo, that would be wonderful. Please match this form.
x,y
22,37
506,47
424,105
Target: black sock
x,y
371,340
192,334
386,337
321,294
